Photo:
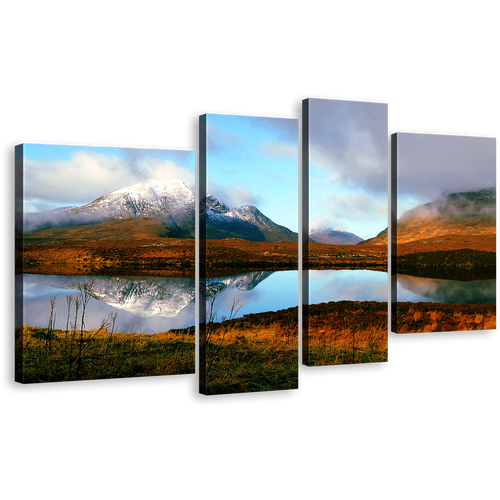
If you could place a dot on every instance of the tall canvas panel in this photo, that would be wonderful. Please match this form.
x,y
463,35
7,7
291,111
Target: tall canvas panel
x,y
443,232
344,210
248,178
105,262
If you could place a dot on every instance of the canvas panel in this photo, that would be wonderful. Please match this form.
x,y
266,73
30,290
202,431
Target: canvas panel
x,y
105,262
444,233
344,190
248,178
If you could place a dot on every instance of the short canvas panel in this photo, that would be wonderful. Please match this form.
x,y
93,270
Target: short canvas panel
x,y
248,180
344,190
444,233
105,262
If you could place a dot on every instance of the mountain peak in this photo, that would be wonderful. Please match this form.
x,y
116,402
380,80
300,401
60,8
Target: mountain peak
x,y
172,203
155,184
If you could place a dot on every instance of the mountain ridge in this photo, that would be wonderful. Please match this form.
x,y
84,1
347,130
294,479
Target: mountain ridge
x,y
471,213
172,204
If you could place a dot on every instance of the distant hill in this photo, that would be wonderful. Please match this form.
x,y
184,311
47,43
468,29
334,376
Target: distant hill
x,y
471,213
334,237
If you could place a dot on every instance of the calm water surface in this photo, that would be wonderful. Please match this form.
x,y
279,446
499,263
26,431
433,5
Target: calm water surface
x,y
413,289
152,305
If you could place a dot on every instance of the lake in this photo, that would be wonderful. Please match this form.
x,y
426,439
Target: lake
x,y
152,305
414,289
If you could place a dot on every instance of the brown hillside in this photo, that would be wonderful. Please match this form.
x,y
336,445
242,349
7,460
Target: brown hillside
x,y
415,230
113,230
486,242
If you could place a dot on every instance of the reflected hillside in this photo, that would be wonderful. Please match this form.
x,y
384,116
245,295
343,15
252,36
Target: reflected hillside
x,y
449,291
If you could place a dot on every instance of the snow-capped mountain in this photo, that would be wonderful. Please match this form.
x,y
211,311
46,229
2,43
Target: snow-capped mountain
x,y
170,202
150,199
173,204
245,222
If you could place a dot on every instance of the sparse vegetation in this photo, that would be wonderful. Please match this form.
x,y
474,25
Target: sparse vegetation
x,y
162,256
52,355
259,352
345,332
105,355
422,317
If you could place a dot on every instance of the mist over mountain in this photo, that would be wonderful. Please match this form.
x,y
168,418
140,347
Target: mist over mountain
x,y
465,213
172,204
472,205
334,237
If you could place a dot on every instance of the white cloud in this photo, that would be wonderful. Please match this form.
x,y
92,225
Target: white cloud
x,y
359,213
242,196
234,195
88,175
349,140
322,223
220,140
85,176
165,170
430,165
279,149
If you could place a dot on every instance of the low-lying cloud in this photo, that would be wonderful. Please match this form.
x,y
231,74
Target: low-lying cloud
x,y
57,217
237,195
456,206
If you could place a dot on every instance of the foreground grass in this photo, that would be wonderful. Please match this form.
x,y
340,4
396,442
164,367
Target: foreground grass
x,y
345,332
423,317
258,352
254,353
252,358
44,355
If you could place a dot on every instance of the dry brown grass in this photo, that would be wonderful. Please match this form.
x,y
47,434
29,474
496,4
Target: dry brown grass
x,y
342,347
104,355
142,255
258,352
423,317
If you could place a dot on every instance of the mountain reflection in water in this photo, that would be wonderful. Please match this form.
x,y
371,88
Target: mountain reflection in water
x,y
152,305
159,304
147,305
413,289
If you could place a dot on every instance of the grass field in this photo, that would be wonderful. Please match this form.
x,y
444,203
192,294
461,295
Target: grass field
x,y
255,353
258,352
423,317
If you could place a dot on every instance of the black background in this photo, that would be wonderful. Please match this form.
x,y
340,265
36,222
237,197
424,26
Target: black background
x,y
156,103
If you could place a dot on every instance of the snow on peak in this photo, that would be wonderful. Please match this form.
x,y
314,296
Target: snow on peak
x,y
155,184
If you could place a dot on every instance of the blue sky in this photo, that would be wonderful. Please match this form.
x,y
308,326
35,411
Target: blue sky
x,y
348,169
254,161
59,175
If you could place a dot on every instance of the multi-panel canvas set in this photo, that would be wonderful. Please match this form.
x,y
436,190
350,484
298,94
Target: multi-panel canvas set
x,y
107,239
